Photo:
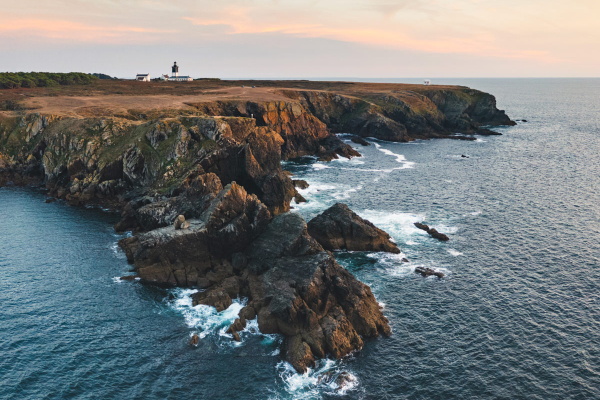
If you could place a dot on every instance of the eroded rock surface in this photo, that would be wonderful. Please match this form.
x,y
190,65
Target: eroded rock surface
x,y
340,228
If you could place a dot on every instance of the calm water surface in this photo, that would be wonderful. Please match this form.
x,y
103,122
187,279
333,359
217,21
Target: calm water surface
x,y
517,315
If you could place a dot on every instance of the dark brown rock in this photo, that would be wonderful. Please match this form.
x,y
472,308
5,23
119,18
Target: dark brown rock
x,y
300,184
428,272
195,339
218,298
432,232
340,228
359,140
128,278
298,198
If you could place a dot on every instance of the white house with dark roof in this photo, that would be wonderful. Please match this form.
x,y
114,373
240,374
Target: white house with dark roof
x,y
142,77
175,75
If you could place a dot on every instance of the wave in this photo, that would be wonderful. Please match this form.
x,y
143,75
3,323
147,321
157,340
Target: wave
x,y
454,253
399,157
206,321
316,381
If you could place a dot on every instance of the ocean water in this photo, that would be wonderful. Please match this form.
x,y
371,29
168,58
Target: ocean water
x,y
517,315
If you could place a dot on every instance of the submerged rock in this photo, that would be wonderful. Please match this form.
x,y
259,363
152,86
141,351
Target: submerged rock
x,y
432,232
428,272
340,228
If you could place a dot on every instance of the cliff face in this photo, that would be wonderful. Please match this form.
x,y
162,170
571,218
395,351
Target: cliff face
x,y
404,116
218,164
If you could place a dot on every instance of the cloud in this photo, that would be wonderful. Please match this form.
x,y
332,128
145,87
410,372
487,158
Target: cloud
x,y
76,31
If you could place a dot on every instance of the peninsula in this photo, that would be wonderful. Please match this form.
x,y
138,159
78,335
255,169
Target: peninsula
x,y
195,170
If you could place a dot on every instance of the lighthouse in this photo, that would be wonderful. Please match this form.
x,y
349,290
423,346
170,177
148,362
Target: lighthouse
x,y
175,75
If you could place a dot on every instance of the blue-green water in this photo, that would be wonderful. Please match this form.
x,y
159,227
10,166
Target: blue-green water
x,y
517,315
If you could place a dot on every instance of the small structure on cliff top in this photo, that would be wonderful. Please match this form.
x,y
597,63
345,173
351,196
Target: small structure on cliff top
x,y
142,77
175,75
427,82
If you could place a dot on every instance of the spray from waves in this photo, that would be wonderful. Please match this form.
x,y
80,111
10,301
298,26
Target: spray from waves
x,y
319,166
343,195
392,265
454,253
327,378
206,321
399,225
399,157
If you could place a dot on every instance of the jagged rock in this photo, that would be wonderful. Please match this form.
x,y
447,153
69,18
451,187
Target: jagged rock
x,y
179,222
247,313
128,278
432,232
305,295
183,256
237,326
428,272
340,228
218,298
195,339
236,337
300,184
359,140
298,198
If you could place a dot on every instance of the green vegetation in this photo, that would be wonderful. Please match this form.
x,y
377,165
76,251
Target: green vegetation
x,y
14,80
102,76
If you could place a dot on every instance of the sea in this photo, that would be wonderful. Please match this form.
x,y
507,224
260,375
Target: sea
x,y
516,316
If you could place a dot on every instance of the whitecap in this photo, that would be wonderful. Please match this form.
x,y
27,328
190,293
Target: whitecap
x,y
399,157
455,253
316,381
398,224
346,194
319,166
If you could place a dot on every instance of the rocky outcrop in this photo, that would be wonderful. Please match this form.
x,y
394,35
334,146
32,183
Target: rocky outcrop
x,y
301,292
195,256
432,232
205,194
401,116
340,228
424,271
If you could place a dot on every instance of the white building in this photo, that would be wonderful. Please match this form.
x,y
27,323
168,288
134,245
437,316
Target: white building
x,y
142,77
427,82
175,75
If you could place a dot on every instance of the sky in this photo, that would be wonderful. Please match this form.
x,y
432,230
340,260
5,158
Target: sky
x,y
304,38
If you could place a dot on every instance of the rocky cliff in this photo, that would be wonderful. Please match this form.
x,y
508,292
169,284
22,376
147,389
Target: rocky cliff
x,y
214,168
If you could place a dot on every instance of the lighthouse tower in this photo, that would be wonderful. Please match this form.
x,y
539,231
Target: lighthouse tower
x,y
175,70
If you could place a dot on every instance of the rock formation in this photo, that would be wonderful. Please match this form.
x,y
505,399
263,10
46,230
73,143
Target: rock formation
x,y
432,232
203,190
340,228
424,271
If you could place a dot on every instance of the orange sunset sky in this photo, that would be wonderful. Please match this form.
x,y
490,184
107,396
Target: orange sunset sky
x,y
285,38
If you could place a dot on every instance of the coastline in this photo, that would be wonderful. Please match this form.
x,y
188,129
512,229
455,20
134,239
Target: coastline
x,y
220,167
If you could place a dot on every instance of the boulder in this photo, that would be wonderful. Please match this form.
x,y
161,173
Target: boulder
x,y
218,298
179,222
359,140
340,228
128,278
424,271
298,198
195,339
300,184
432,232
